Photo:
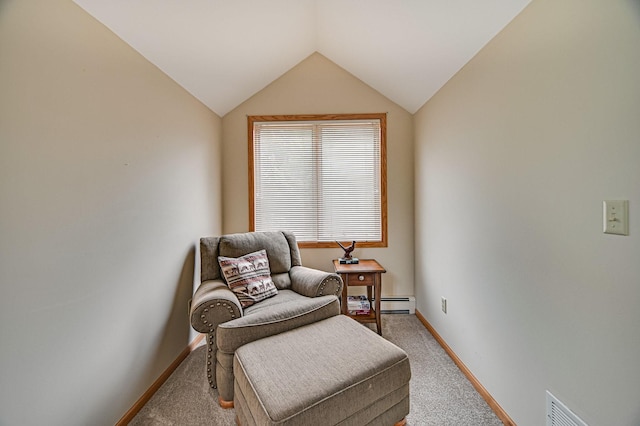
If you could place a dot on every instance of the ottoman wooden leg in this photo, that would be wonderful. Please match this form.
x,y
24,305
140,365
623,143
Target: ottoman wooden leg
x,y
401,422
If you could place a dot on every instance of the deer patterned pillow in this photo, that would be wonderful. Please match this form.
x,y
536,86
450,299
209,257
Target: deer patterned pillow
x,y
249,277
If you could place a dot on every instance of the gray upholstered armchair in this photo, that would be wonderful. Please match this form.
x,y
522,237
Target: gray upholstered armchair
x,y
304,296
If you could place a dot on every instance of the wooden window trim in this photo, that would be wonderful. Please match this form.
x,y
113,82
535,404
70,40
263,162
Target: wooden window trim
x,y
251,119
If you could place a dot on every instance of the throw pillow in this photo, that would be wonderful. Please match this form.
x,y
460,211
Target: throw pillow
x,y
248,277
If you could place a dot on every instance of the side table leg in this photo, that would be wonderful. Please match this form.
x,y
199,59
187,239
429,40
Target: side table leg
x,y
345,292
378,291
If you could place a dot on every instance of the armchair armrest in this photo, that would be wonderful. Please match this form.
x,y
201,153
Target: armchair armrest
x,y
313,282
212,304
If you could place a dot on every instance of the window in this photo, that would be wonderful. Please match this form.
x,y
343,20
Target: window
x,y
323,177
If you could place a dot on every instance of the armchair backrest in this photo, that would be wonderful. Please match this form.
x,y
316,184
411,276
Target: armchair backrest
x,y
281,246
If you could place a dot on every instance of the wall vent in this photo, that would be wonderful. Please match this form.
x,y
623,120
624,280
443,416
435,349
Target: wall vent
x,y
559,415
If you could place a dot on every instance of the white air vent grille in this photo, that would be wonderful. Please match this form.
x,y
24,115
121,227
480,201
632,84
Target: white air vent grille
x,y
559,415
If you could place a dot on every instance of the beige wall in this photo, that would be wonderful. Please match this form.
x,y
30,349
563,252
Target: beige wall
x,y
513,159
107,180
317,86
110,172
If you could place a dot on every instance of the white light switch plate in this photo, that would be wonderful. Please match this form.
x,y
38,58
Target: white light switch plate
x,y
615,217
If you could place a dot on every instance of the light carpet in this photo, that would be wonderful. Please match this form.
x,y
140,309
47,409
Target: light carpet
x,y
440,395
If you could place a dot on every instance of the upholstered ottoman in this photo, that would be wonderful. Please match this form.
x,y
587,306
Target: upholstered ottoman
x,y
331,372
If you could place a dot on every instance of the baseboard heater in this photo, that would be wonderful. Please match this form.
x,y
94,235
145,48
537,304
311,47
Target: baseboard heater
x,y
398,305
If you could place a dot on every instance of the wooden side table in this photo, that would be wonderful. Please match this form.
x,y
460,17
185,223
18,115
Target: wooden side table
x,y
366,273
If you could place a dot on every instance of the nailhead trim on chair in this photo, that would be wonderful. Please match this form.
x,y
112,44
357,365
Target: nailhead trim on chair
x,y
211,339
324,283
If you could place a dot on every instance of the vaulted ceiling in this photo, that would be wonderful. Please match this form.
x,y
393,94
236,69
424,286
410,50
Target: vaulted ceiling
x,y
225,51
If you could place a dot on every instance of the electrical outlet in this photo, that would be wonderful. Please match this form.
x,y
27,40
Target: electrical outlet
x,y
444,305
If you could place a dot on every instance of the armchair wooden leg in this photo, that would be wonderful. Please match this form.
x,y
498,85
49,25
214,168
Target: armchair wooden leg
x,y
401,422
225,404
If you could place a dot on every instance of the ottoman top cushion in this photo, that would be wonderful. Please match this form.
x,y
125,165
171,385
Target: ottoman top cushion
x,y
336,358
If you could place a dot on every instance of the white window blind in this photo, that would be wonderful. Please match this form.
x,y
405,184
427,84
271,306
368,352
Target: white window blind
x,y
320,179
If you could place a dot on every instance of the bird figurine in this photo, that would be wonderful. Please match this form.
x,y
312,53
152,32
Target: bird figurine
x,y
347,250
